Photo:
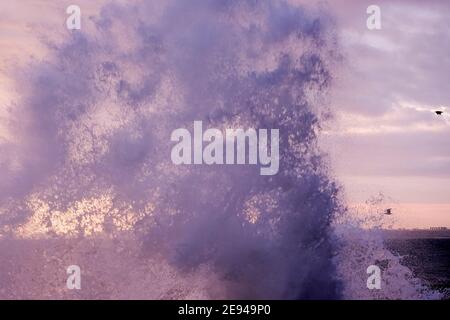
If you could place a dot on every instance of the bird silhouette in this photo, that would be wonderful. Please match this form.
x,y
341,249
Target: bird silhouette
x,y
439,112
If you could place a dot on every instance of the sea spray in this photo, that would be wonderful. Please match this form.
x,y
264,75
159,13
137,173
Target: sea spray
x,y
87,179
360,235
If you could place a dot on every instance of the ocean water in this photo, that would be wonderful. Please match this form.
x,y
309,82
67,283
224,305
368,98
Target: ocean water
x,y
428,259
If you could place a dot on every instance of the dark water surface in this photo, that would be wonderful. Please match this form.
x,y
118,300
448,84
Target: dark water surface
x,y
429,259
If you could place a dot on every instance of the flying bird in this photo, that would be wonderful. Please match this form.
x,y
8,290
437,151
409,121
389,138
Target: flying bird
x,y
439,112
388,211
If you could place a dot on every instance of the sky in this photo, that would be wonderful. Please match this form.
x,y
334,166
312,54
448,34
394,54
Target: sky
x,y
386,137
385,141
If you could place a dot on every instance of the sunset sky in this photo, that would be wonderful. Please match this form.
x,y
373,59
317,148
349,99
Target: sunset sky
x,y
384,138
